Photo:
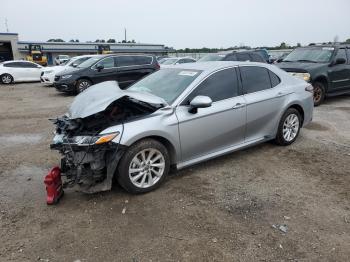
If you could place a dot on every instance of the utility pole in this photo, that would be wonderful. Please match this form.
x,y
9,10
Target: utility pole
x,y
6,25
125,34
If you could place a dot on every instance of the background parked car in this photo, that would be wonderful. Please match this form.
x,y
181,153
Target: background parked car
x,y
60,59
176,60
252,56
124,68
327,67
19,71
48,74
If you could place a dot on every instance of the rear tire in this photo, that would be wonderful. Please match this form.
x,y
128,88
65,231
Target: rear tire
x,y
143,166
289,127
6,79
82,84
319,92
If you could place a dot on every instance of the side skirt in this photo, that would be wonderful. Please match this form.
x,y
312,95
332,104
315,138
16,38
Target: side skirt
x,y
222,152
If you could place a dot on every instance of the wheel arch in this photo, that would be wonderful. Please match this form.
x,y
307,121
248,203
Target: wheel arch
x,y
300,109
323,79
85,77
13,78
164,141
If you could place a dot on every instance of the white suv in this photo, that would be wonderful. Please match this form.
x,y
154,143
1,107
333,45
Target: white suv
x,y
48,75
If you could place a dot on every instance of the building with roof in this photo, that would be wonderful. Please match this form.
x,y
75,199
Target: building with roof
x,y
12,48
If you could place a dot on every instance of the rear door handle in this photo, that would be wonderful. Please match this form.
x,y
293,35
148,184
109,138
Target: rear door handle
x,y
238,105
279,94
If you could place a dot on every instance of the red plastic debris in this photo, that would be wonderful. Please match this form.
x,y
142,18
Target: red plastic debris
x,y
53,184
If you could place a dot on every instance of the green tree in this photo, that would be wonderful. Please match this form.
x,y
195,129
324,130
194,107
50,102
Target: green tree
x,y
55,40
347,40
111,40
283,45
298,45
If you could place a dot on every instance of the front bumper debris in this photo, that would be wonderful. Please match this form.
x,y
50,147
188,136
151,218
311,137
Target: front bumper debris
x,y
89,168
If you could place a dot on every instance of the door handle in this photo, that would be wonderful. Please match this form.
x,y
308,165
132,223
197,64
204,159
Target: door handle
x,y
238,105
279,94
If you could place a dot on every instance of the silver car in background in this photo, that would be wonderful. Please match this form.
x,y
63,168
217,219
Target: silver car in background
x,y
178,116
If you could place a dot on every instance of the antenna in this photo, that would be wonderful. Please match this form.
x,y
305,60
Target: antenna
x,y
6,25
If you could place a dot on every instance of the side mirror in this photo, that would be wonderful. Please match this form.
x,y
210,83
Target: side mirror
x,y
99,67
199,102
339,61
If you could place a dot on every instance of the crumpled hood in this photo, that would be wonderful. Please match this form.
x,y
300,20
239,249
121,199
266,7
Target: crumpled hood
x,y
98,97
301,67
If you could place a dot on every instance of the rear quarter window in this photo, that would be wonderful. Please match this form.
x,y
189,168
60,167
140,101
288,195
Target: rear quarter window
x,y
275,80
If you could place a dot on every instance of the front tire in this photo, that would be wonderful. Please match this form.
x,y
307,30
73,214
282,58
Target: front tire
x,y
143,166
82,84
6,79
289,127
319,93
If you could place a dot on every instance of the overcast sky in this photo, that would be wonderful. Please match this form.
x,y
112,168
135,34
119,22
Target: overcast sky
x,y
180,23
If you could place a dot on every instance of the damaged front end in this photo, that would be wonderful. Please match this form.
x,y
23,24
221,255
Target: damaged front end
x,y
89,135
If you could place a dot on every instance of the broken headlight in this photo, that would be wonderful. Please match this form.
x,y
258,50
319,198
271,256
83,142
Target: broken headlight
x,y
94,140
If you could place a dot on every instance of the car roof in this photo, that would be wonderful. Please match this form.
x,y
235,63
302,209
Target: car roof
x,y
215,65
11,61
135,54
326,45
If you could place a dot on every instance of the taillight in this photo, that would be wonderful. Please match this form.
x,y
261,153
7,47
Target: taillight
x,y
309,88
157,66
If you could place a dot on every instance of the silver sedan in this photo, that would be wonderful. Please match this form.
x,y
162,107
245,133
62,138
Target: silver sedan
x,y
178,116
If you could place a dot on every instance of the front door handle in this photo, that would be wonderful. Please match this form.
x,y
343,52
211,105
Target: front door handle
x,y
238,105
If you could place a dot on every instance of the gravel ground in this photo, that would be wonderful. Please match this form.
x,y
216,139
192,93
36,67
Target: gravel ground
x,y
227,209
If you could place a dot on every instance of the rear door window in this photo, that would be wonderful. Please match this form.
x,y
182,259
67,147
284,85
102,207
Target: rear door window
x,y
14,64
243,57
232,57
143,60
348,54
255,79
256,58
125,61
340,54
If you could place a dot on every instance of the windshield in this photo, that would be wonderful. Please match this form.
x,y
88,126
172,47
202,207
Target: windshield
x,y
169,61
316,55
166,83
89,62
76,61
211,57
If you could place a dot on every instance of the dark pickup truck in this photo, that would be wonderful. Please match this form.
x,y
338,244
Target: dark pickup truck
x,y
326,67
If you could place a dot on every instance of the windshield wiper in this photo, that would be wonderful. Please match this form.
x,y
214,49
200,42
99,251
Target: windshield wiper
x,y
304,60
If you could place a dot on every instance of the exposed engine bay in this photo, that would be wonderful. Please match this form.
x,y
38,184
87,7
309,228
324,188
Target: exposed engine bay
x,y
89,158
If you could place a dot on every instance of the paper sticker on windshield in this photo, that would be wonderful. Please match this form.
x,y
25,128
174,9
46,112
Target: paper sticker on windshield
x,y
327,48
187,73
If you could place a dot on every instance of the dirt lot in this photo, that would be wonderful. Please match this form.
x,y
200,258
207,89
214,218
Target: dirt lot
x,y
222,210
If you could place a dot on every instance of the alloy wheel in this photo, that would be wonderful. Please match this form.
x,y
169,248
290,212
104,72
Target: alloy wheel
x,y
290,127
6,79
317,94
83,85
146,168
